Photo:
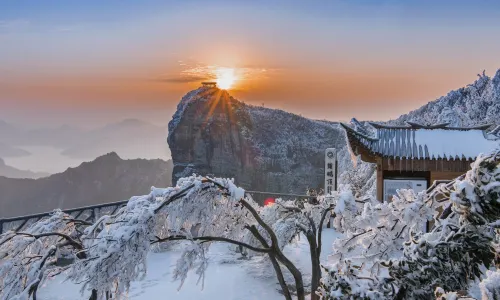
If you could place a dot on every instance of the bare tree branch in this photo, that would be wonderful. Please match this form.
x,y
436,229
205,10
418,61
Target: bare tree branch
x,y
211,239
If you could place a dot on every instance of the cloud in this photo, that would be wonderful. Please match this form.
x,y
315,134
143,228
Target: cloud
x,y
182,78
193,71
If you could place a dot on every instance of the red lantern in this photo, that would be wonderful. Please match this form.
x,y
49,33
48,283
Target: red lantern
x,y
269,201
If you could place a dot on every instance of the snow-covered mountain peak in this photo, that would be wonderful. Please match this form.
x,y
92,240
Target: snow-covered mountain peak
x,y
199,94
475,104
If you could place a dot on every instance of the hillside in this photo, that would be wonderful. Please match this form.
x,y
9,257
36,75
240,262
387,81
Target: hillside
x,y
263,149
477,103
106,179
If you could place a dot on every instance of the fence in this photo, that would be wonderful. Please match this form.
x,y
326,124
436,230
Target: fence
x,y
87,213
94,212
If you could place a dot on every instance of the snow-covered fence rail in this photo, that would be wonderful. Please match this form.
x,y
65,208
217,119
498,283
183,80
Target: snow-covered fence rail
x,y
94,212
87,213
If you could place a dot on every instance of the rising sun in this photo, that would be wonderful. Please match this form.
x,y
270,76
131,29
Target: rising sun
x,y
225,78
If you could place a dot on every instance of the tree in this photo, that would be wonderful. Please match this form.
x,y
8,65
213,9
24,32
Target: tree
x,y
447,259
385,253
111,252
28,257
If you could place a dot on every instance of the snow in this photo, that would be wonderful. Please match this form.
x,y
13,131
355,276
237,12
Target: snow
x,y
452,143
236,192
477,103
490,286
227,277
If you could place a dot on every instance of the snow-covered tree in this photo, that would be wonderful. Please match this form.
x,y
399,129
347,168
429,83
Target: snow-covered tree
x,y
378,233
461,244
385,252
28,257
452,254
111,253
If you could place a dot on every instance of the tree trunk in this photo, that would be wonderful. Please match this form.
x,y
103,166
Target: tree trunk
x,y
33,291
315,272
299,283
93,296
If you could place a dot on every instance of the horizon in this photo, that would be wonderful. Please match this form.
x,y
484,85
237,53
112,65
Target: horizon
x,y
119,118
91,63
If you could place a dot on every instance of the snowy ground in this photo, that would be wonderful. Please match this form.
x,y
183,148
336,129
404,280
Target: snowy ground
x,y
228,276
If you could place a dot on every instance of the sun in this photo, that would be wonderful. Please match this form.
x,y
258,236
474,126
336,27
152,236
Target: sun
x,y
225,78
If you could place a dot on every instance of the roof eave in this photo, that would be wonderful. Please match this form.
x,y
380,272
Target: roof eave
x,y
348,128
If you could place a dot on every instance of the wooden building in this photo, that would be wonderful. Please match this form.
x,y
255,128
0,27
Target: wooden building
x,y
416,155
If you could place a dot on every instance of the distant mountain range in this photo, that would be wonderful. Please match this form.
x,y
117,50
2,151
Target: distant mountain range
x,y
11,172
130,138
105,179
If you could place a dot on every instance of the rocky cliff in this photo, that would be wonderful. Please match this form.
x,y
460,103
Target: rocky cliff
x,y
263,149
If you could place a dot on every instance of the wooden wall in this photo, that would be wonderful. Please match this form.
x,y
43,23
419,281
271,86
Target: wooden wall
x,y
445,175
439,169
380,180
434,165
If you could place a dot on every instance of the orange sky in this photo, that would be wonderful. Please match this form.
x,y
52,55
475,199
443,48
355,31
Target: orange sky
x,y
335,61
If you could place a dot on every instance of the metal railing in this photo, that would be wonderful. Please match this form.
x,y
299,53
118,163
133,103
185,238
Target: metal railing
x,y
94,212
86,213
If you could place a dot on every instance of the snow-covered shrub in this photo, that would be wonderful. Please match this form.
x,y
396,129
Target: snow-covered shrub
x,y
490,286
460,245
116,253
360,179
117,246
442,295
345,282
476,197
446,258
486,289
452,254
379,231
345,210
26,258
377,234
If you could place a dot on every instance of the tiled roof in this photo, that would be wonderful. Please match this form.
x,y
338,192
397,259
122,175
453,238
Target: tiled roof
x,y
419,141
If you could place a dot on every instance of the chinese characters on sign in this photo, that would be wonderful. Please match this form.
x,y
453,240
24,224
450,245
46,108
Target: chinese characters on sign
x,y
330,170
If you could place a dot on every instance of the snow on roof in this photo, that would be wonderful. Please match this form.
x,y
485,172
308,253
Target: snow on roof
x,y
427,142
454,143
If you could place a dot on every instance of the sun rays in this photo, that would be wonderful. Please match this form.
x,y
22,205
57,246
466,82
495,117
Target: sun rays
x,y
225,78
